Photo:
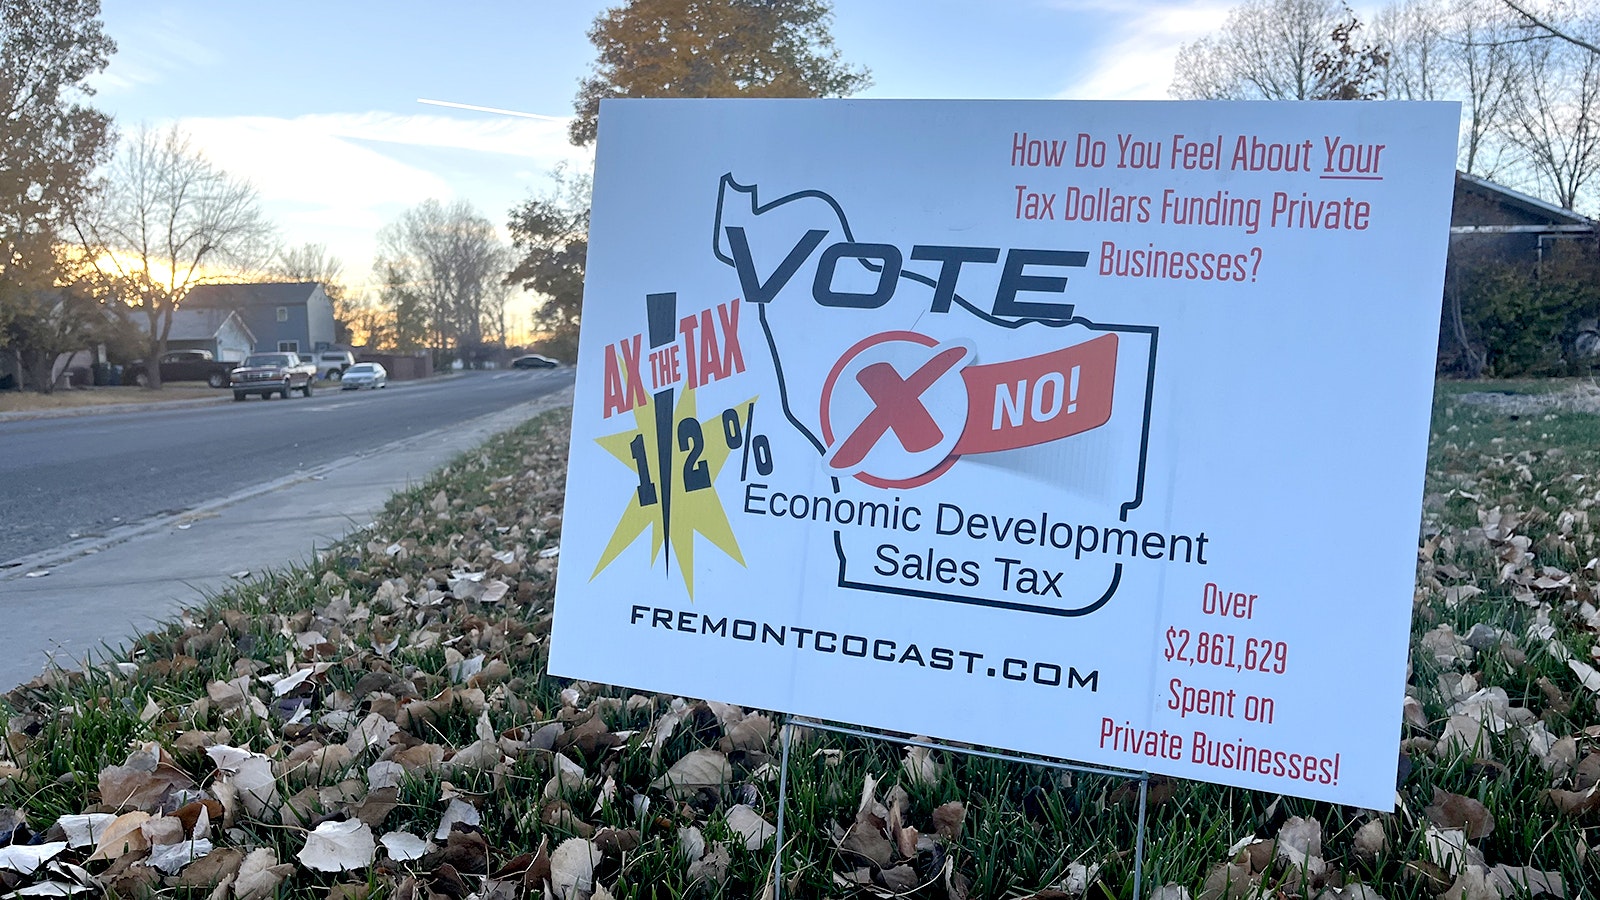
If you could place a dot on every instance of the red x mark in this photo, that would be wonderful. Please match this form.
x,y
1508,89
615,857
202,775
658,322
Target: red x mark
x,y
898,405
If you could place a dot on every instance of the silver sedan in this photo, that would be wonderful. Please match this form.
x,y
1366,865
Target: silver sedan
x,y
365,375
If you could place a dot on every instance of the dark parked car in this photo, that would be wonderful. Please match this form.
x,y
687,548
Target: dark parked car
x,y
182,365
534,361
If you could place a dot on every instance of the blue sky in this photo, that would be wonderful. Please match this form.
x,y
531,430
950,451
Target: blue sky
x,y
316,102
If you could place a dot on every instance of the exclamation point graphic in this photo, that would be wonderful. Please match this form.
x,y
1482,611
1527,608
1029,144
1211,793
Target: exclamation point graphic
x,y
661,311
1072,389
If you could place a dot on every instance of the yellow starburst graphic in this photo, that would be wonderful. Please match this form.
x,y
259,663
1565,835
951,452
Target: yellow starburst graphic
x,y
685,504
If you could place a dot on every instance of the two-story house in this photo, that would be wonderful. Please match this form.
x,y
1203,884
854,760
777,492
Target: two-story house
x,y
282,316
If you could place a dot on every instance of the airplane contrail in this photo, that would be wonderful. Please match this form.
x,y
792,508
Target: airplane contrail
x,y
492,109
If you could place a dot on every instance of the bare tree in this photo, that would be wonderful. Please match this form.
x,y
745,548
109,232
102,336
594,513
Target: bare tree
x,y
1267,50
447,261
312,262
308,262
1555,119
167,220
1456,50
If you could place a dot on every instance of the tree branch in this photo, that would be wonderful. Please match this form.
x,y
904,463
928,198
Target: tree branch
x,y
1536,22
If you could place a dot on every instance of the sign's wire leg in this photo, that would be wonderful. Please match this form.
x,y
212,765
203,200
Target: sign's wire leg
x,y
1138,844
783,800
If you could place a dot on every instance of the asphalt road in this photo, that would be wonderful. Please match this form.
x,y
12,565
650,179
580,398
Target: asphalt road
x,y
79,478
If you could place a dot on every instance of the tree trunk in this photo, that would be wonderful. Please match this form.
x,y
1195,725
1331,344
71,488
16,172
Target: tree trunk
x,y
152,364
1472,359
37,369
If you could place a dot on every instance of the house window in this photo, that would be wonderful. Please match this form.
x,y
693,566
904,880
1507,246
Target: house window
x,y
283,314
288,346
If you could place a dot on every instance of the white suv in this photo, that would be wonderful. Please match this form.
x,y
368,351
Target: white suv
x,y
331,363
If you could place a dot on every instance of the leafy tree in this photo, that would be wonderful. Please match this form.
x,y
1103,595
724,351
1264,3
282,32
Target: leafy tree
x,y
550,236
369,322
167,220
48,322
50,144
402,322
1267,50
1347,70
713,48
443,268
1522,320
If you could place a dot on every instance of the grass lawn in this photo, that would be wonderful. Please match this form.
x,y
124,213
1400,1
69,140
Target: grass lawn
x,y
73,398
399,685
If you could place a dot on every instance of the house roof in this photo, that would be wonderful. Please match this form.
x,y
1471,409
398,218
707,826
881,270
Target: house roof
x,y
238,296
1481,202
204,324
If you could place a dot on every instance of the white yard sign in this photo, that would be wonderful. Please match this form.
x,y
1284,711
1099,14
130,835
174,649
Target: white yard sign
x,y
1094,430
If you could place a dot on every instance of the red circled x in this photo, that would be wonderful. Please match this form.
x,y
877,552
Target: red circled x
x,y
898,406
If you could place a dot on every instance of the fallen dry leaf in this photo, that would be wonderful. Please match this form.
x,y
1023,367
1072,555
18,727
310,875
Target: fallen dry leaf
x,y
1576,803
1299,843
402,846
1456,811
260,874
698,769
84,830
338,847
572,869
691,843
250,774
142,780
920,766
1370,840
171,858
1447,848
1514,880
947,819
1228,881
712,868
212,869
26,859
458,810
748,824
122,837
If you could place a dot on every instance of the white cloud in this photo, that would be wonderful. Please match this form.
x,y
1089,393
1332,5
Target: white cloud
x,y
301,161
337,179
536,138
1139,49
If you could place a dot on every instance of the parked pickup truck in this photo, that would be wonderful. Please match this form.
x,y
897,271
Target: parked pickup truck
x,y
271,373
182,365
